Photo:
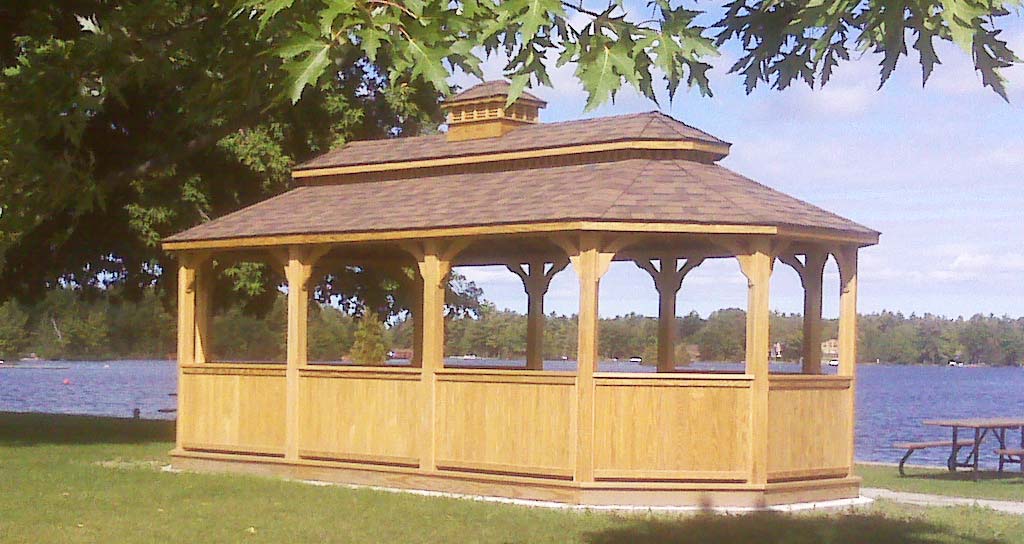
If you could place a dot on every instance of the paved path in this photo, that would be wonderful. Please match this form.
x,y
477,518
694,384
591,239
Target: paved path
x,y
922,499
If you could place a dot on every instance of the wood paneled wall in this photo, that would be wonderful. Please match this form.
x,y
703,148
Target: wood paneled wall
x,y
672,427
360,414
810,424
236,408
516,422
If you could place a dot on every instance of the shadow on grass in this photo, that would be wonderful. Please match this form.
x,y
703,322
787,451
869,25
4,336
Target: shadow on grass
x,y
773,528
28,429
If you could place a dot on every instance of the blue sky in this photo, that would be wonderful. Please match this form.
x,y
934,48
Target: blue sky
x,y
939,171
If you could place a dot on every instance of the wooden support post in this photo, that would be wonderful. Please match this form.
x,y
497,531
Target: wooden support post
x,y
186,327
536,282
846,257
667,281
434,262
417,323
298,272
756,265
203,293
814,269
591,259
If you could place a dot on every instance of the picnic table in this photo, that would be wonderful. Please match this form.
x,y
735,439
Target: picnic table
x,y
981,428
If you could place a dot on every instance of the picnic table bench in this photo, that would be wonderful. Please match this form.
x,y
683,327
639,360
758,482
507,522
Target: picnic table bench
x,y
982,427
911,447
1011,455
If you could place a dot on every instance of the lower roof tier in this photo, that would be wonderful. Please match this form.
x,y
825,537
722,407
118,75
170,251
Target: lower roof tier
x,y
638,190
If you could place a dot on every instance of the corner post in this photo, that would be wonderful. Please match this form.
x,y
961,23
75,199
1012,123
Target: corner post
x,y
187,267
590,260
298,272
756,263
846,257
814,269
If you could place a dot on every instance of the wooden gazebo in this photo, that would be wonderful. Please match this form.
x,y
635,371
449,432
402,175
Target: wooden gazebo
x,y
500,188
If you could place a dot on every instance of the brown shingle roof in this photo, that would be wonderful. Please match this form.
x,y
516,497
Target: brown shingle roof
x,y
640,126
490,89
627,190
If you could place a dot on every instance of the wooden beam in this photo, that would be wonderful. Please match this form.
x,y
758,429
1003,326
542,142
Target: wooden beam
x,y
846,257
204,282
667,281
756,265
590,259
536,281
434,261
186,333
802,234
814,269
298,272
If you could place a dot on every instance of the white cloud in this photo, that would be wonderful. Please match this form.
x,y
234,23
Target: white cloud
x,y
488,275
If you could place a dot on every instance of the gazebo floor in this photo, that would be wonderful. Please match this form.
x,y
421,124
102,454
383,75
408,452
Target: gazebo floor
x,y
617,493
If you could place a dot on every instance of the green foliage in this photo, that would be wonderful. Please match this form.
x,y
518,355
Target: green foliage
x,y
13,335
125,122
369,347
73,324
723,336
331,333
240,335
617,45
121,123
69,325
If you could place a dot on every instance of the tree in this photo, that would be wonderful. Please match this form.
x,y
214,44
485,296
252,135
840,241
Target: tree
x,y
121,123
616,44
13,330
369,347
723,337
331,333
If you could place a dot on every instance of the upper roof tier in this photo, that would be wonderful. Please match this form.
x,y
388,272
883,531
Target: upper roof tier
x,y
492,89
651,128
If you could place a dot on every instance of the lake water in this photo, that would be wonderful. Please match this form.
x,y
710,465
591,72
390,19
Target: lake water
x,y
891,400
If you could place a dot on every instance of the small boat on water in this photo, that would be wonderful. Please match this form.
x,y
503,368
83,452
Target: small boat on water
x,y
636,360
833,362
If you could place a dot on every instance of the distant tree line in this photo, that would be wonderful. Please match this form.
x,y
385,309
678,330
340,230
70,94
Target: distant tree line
x,y
66,324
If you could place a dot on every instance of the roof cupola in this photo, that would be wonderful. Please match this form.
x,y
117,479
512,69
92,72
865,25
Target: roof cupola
x,y
482,112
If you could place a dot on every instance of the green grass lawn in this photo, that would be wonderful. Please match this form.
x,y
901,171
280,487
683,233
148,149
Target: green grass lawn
x,y
1007,486
77,479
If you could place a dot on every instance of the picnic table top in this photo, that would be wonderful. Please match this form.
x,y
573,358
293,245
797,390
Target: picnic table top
x,y
978,422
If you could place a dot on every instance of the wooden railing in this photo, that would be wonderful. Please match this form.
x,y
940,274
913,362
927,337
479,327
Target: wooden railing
x,y
518,422
672,427
810,426
232,408
685,427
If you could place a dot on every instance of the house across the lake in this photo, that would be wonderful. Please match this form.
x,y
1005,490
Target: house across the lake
x,y
501,188
830,349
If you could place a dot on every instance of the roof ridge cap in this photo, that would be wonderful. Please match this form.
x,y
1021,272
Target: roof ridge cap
x,y
787,195
671,123
636,179
255,205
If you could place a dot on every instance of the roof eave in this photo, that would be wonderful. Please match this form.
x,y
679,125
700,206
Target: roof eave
x,y
181,242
